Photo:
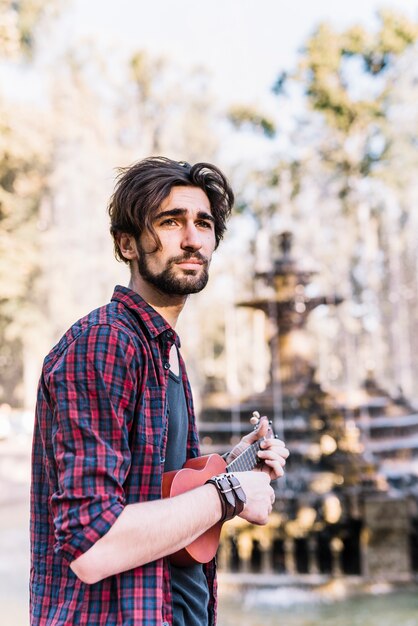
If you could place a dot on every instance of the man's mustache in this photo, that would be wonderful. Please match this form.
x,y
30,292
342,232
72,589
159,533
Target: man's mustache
x,y
189,256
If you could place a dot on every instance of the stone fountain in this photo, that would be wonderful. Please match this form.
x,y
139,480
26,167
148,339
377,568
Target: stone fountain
x,y
336,512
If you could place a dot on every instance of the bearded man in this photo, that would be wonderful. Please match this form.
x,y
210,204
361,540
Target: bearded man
x,y
115,412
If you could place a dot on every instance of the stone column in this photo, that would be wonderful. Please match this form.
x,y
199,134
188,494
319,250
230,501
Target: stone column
x,y
224,555
313,555
266,548
289,556
245,548
336,546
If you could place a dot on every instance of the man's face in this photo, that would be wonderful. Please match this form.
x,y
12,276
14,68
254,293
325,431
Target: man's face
x,y
185,227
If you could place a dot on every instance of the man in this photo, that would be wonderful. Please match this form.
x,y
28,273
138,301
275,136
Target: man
x,y
115,411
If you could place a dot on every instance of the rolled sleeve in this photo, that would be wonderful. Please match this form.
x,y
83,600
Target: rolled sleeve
x,y
73,543
92,391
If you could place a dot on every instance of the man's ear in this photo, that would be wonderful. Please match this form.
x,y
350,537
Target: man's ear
x,y
127,246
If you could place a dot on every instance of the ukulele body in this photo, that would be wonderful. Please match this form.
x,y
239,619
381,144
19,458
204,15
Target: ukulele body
x,y
195,473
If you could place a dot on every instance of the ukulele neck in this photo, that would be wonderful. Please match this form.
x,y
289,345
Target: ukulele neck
x,y
246,461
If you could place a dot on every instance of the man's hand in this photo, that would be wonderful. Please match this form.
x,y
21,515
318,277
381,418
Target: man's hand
x,y
260,496
273,451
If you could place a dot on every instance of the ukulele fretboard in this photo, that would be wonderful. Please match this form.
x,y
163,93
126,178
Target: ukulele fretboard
x,y
246,461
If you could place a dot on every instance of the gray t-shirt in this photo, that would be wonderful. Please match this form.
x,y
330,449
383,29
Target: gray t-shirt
x,y
188,584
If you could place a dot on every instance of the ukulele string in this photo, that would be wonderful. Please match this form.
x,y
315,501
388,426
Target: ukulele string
x,y
247,460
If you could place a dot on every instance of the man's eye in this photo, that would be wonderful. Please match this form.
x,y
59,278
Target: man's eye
x,y
206,224
168,222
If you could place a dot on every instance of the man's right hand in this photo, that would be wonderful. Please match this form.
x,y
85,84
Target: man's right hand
x,y
260,496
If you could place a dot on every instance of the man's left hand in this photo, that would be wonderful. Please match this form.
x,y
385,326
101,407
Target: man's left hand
x,y
273,452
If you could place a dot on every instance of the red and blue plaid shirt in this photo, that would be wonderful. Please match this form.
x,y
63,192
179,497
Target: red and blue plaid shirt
x,y
99,444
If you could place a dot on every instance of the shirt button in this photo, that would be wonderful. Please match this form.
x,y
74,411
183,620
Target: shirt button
x,y
166,365
170,333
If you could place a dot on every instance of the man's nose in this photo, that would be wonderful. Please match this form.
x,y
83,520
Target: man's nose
x,y
191,238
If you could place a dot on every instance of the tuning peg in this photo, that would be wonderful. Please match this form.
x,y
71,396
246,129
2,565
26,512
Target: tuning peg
x,y
255,418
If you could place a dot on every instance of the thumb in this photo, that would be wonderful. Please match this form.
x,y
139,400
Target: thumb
x,y
259,432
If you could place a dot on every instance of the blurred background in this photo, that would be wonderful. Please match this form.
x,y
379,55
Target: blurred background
x,y
310,312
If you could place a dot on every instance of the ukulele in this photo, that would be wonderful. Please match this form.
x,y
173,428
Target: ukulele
x,y
195,473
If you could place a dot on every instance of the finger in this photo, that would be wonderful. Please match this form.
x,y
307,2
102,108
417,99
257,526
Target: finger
x,y
263,427
273,441
273,469
272,455
275,444
259,432
272,451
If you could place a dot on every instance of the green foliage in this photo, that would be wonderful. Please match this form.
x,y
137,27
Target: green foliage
x,y
323,64
143,71
23,163
279,86
20,187
19,19
347,186
249,117
18,23
379,50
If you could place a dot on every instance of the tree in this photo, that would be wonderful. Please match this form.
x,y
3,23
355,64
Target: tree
x,y
340,188
349,79
24,160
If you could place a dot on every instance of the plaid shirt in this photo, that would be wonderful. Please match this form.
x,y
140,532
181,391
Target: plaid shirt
x,y
99,444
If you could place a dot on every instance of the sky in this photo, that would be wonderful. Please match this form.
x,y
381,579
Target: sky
x,y
244,43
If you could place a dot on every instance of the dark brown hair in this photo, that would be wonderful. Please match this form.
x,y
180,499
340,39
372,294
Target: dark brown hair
x,y
141,188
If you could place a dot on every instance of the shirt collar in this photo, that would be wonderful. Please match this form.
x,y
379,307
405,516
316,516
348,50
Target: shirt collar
x,y
153,322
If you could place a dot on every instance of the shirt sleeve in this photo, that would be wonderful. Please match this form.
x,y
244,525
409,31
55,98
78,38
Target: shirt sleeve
x,y
92,392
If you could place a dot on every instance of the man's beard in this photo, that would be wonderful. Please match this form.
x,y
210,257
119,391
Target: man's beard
x,y
167,282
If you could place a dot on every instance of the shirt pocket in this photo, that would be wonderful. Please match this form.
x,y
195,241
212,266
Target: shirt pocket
x,y
152,416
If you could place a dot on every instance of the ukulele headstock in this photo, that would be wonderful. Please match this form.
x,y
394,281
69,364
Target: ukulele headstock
x,y
248,459
255,421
